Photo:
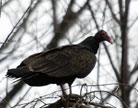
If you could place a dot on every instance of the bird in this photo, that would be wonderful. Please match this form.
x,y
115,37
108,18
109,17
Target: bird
x,y
62,64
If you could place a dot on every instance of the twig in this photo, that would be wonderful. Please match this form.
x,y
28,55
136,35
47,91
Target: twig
x,y
111,94
16,26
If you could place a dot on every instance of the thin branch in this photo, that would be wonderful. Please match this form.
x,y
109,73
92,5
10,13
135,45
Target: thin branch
x,y
98,72
93,16
23,97
19,85
18,29
6,3
135,69
127,6
106,49
104,15
134,22
133,85
60,104
75,101
111,61
16,25
68,21
111,94
111,10
98,105
120,2
120,84
11,94
54,14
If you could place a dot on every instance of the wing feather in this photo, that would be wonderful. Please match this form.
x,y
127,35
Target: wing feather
x,y
63,62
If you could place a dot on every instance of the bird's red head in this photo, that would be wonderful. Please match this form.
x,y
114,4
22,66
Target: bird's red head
x,y
103,36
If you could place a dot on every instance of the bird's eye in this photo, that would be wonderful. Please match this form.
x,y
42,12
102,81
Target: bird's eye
x,y
103,33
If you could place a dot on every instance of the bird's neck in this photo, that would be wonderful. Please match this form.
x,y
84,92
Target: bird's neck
x,y
92,44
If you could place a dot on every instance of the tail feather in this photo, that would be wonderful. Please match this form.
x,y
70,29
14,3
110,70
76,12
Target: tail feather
x,y
18,73
31,78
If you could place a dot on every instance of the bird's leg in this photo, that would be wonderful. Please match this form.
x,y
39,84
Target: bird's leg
x,y
63,91
70,89
73,97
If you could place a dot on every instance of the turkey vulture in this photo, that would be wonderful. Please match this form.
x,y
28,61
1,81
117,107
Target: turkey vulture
x,y
60,65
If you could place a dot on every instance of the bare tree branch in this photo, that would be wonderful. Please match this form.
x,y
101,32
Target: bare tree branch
x,y
21,27
135,69
109,56
16,25
19,85
124,60
120,4
111,10
123,102
134,22
54,15
135,82
21,99
93,16
11,94
111,61
68,21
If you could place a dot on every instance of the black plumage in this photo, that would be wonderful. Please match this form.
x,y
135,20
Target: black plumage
x,y
60,65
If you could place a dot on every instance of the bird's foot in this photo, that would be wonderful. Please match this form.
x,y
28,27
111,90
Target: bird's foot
x,y
74,97
63,98
71,97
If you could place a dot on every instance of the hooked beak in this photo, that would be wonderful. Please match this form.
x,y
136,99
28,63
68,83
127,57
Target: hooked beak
x,y
109,39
